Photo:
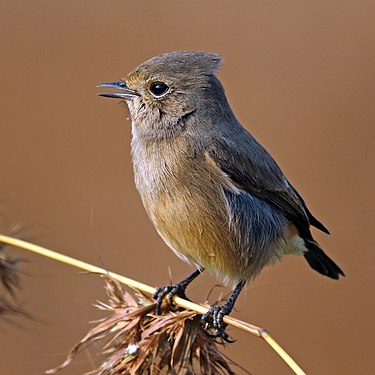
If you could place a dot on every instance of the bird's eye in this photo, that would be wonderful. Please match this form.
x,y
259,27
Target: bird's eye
x,y
158,89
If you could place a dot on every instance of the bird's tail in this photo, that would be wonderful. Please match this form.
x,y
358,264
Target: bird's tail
x,y
320,262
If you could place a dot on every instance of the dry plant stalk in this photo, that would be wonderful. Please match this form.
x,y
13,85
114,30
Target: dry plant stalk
x,y
141,287
136,341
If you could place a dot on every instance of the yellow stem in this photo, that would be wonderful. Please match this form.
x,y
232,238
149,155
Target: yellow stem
x,y
254,330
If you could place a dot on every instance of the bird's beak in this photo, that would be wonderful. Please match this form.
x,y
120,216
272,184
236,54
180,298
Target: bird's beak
x,y
121,85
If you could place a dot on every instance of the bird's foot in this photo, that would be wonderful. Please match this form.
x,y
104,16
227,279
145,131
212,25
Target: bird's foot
x,y
171,291
215,315
174,290
214,318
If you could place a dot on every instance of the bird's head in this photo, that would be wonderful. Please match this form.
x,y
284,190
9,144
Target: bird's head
x,y
164,90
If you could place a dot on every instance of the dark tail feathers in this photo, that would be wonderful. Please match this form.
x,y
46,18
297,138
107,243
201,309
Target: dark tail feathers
x,y
320,262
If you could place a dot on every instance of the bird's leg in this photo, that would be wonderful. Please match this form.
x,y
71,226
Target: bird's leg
x,y
214,316
174,290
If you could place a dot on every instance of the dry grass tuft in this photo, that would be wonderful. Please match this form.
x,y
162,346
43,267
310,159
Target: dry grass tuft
x,y
136,341
9,279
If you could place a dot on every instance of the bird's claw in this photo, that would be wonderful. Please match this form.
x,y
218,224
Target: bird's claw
x,y
171,291
214,318
159,296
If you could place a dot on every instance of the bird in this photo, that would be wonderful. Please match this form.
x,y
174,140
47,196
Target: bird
x,y
214,194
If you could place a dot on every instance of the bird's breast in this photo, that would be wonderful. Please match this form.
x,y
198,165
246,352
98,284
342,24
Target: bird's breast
x,y
183,196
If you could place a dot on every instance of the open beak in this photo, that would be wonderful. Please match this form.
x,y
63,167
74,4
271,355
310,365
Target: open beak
x,y
120,85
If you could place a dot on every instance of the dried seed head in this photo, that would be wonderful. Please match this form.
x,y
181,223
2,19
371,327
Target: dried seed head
x,y
9,276
136,341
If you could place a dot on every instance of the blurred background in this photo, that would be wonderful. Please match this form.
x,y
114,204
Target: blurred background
x,y
298,74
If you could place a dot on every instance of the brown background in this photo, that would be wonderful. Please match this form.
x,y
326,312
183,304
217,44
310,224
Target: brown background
x,y
300,77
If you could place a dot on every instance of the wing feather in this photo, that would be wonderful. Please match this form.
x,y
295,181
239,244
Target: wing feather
x,y
253,169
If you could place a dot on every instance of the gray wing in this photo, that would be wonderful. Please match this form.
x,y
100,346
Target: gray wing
x,y
252,169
